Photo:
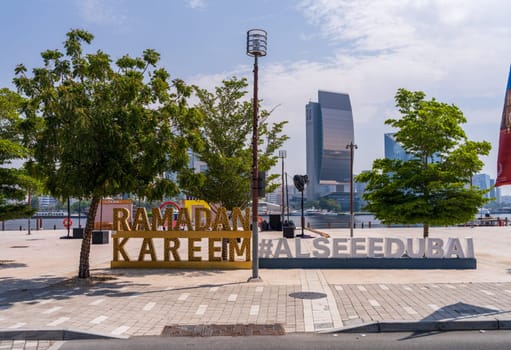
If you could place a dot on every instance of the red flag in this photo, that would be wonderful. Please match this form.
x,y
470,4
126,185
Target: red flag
x,y
504,157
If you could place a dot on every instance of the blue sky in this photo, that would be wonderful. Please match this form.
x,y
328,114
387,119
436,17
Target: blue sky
x,y
456,51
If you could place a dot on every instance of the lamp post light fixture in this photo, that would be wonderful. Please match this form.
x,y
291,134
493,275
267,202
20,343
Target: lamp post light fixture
x,y
256,46
351,147
282,155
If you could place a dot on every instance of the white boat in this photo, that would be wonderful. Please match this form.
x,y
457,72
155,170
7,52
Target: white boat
x,y
328,213
484,212
311,211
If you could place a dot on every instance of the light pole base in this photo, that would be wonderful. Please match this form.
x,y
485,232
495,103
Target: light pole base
x,y
255,279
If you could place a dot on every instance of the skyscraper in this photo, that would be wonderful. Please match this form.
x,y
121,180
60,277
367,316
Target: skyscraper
x,y
329,129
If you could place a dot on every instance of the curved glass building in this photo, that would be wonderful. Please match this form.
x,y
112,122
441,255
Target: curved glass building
x,y
329,129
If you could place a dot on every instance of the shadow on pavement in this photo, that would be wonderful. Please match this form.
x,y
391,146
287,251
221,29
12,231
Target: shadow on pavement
x,y
12,284
163,272
34,290
114,284
454,312
9,264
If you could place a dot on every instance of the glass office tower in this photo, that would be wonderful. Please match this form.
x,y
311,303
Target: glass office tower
x,y
329,129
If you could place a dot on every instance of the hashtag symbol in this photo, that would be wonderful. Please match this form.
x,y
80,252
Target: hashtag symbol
x,y
265,248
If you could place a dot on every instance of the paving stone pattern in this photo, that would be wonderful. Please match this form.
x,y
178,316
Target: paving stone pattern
x,y
425,302
124,309
145,310
26,344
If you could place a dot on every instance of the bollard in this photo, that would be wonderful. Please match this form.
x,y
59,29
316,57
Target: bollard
x,y
362,225
54,227
21,228
369,224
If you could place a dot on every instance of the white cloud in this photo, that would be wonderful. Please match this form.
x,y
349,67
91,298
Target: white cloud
x,y
196,4
456,51
102,11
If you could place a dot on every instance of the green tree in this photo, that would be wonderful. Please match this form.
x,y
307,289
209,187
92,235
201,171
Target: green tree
x,y
329,204
15,181
432,188
108,128
227,147
80,206
311,204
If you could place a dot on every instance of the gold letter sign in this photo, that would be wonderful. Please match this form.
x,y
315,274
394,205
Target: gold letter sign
x,y
209,242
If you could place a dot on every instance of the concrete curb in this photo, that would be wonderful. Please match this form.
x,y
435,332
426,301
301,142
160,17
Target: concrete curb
x,y
424,326
53,334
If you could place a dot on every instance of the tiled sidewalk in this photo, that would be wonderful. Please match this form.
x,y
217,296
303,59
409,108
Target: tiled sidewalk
x,y
37,292
27,344
120,308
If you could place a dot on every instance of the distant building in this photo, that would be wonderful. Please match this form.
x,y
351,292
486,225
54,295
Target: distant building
x,y
482,181
195,163
393,149
360,188
46,202
274,197
495,191
329,129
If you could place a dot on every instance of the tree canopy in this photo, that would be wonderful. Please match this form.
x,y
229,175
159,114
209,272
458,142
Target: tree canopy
x,y
15,181
433,187
227,146
108,128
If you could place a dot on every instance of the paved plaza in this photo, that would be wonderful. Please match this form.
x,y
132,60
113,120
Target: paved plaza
x,y
38,291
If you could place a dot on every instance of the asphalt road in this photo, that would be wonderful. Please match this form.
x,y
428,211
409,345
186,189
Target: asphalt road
x,y
468,340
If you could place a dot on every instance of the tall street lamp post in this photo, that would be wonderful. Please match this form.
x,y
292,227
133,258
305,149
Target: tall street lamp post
x,y
256,46
300,182
30,204
287,201
68,216
282,155
351,147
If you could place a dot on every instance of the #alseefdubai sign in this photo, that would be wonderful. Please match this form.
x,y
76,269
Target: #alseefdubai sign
x,y
368,252
217,243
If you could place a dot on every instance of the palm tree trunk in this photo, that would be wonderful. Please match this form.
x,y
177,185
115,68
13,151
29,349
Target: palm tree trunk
x,y
84,268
